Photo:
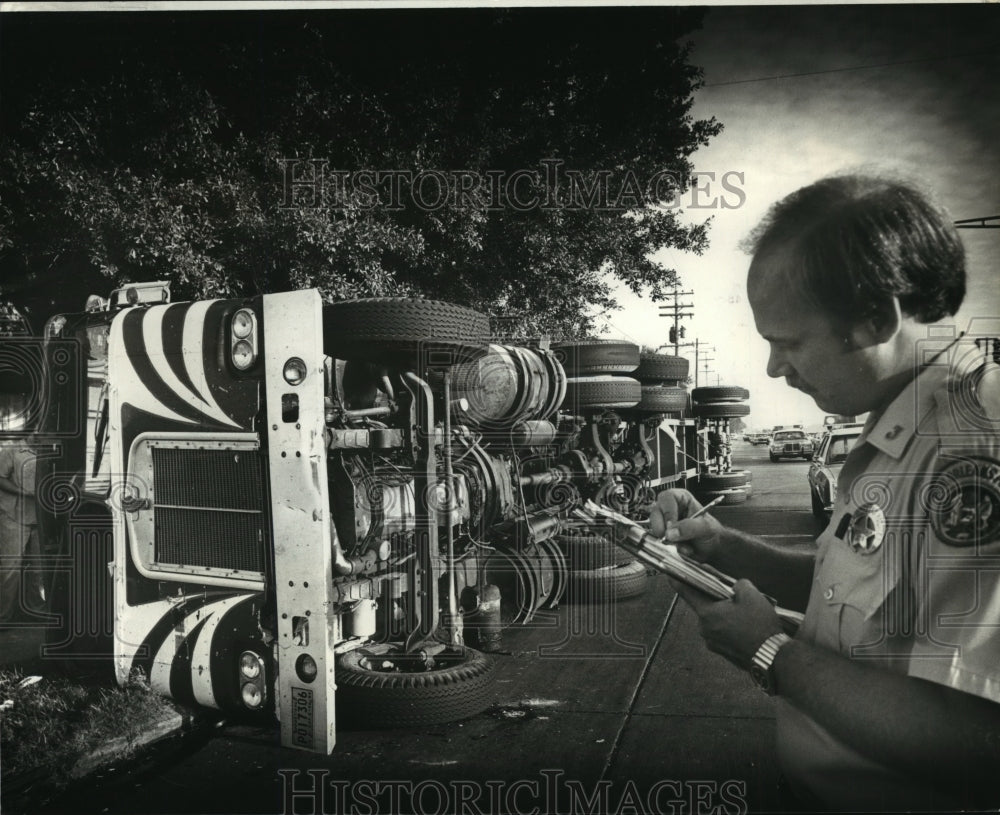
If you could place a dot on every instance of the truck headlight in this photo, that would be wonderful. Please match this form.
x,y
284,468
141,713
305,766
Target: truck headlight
x,y
243,355
243,323
252,697
243,344
250,665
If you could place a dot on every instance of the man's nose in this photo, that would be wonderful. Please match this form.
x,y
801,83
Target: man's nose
x,y
777,365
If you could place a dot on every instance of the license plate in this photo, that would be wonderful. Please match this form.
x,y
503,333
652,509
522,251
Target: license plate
x,y
302,713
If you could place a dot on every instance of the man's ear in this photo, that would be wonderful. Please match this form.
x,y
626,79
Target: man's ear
x,y
879,327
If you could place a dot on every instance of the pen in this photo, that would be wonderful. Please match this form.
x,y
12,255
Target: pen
x,y
706,508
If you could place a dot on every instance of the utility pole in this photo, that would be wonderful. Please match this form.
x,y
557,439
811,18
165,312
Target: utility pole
x,y
676,310
694,345
706,360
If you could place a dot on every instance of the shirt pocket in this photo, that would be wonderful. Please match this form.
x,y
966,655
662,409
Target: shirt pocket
x,y
854,589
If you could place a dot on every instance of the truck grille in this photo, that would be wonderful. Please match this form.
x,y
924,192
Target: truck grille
x,y
209,508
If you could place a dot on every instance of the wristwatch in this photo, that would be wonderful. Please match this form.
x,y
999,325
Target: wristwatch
x,y
760,667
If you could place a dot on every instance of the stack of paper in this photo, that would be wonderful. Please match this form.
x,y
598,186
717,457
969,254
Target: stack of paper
x,y
664,557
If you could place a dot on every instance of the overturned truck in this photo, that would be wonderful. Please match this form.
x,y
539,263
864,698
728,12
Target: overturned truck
x,y
280,507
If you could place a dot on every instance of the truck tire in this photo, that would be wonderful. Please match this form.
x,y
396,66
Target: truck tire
x,y
655,369
372,696
560,572
704,396
721,410
593,357
723,481
730,497
373,326
612,583
586,551
660,399
601,391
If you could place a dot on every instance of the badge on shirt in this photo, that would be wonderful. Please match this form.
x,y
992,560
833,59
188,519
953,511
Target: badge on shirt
x,y
967,510
866,530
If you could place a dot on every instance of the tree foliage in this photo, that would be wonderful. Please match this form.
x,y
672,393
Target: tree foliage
x,y
140,147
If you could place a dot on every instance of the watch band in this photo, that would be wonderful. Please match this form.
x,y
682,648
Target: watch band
x,y
760,668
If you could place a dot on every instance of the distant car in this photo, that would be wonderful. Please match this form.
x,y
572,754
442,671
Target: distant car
x,y
758,438
790,444
823,472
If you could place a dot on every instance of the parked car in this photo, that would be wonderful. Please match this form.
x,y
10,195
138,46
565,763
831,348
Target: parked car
x,y
790,444
825,467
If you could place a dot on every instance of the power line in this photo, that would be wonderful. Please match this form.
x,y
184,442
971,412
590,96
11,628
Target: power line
x,y
848,68
989,222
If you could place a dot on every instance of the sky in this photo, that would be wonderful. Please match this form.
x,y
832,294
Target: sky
x,y
932,115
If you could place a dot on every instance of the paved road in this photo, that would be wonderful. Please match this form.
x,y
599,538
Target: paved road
x,y
780,502
620,707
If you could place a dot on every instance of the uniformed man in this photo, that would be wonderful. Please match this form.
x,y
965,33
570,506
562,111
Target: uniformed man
x,y
888,696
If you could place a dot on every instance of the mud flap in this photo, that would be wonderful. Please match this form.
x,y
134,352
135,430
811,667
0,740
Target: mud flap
x,y
307,625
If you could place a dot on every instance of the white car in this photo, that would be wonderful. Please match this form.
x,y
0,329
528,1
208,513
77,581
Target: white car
x,y
790,444
825,468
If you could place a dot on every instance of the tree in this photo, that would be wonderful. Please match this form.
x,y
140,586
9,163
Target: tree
x,y
513,161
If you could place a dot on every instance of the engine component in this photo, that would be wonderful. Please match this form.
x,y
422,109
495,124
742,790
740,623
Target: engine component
x,y
482,616
532,433
507,386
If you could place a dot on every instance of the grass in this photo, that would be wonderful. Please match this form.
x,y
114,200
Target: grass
x,y
55,723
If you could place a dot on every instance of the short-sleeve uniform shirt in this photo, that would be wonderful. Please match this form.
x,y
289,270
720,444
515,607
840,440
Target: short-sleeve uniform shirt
x,y
907,572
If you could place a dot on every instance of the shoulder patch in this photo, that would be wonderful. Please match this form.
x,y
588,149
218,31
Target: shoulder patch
x,y
966,506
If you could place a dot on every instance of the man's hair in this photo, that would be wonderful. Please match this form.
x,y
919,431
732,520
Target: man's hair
x,y
859,240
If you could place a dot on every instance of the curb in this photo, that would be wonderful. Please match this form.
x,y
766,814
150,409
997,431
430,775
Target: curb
x,y
125,747
26,791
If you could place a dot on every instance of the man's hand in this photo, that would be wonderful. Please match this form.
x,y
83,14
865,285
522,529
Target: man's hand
x,y
733,628
670,518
